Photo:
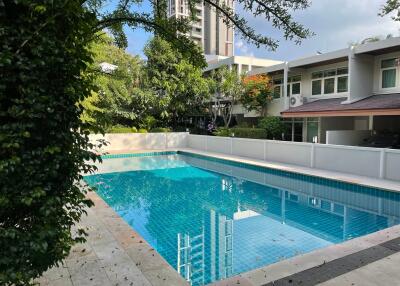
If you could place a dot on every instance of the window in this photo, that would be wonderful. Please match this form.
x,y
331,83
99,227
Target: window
x,y
296,88
316,87
277,87
329,81
277,91
329,85
294,85
389,70
342,84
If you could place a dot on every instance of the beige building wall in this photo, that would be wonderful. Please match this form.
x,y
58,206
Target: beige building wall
x,y
209,32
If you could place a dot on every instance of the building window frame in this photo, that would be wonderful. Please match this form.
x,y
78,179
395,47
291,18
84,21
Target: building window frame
x,y
294,80
323,75
277,83
395,67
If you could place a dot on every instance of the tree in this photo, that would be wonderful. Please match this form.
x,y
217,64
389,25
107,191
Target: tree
x,y
227,88
391,6
273,125
44,78
113,101
173,30
44,62
257,93
179,85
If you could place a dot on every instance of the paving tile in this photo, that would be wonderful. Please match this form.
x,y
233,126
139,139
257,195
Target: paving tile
x,y
61,282
147,258
164,277
86,270
234,281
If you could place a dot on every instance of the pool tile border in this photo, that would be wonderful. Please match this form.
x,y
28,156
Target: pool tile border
x,y
144,154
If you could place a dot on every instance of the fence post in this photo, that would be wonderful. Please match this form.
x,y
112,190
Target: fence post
x,y
231,145
382,163
312,163
265,150
206,143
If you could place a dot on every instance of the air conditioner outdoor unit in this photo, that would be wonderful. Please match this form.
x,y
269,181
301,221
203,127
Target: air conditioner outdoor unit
x,y
296,100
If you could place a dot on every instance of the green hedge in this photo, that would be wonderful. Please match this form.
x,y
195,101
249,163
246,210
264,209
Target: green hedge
x,y
255,133
160,129
122,129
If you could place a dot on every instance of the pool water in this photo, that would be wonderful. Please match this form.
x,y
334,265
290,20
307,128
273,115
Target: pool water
x,y
212,219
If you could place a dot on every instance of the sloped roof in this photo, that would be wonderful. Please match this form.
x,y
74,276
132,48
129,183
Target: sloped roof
x,y
374,105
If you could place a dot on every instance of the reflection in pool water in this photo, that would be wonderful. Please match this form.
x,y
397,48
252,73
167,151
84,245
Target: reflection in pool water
x,y
211,220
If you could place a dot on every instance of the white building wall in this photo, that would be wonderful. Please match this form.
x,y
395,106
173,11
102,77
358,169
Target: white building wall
x,y
361,77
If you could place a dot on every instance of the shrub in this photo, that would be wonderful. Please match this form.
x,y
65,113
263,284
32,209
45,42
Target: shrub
x,y
148,122
255,133
160,129
222,131
44,153
273,125
142,130
122,129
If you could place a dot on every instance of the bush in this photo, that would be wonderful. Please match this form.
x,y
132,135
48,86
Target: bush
x,y
222,131
122,129
44,61
160,129
142,130
255,133
274,127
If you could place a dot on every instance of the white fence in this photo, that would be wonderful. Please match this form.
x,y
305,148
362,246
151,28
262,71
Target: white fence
x,y
141,141
371,162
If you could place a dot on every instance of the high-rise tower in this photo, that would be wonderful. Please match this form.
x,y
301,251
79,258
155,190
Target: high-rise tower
x,y
209,31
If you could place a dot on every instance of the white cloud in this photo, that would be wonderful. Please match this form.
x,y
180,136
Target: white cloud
x,y
243,49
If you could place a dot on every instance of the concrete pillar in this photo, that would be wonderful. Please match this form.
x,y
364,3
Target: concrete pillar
x,y
285,82
371,122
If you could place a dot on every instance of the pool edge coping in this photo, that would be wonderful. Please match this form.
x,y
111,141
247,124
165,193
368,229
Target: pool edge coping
x,y
289,266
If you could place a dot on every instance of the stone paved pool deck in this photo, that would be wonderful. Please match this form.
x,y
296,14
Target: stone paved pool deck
x,y
116,255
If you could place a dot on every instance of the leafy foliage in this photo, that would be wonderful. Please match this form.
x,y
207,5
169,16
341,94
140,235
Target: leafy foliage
x,y
173,30
43,74
257,93
179,86
391,6
242,132
117,98
273,126
227,87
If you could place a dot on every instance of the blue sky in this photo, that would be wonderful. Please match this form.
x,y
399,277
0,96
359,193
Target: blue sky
x,y
336,23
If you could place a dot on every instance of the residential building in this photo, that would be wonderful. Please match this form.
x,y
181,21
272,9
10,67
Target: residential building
x,y
209,31
243,65
340,97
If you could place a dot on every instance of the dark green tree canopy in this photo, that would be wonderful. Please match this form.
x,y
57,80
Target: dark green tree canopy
x,y
127,12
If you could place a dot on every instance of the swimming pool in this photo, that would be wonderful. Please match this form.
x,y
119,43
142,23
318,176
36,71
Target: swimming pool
x,y
212,219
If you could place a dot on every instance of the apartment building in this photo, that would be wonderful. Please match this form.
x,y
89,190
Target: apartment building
x,y
209,31
340,97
